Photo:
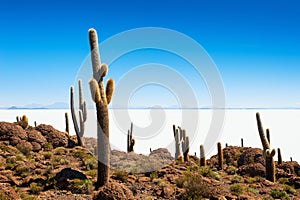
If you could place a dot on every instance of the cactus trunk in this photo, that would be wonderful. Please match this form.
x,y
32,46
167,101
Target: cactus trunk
x,y
202,156
279,156
220,156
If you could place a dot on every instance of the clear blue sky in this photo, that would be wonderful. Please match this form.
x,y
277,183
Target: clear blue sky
x,y
255,44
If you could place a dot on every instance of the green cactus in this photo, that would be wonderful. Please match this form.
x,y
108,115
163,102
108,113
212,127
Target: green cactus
x,y
202,156
177,142
82,113
67,123
185,145
130,140
101,98
279,156
267,153
220,156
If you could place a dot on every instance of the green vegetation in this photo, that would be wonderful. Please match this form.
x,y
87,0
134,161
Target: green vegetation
x,y
275,193
236,189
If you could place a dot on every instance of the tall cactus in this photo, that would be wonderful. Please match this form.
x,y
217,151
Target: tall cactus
x,y
268,154
177,142
82,113
202,156
220,156
130,139
268,135
102,97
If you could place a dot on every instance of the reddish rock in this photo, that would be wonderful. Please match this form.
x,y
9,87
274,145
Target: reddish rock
x,y
57,138
256,169
8,130
251,156
114,191
7,192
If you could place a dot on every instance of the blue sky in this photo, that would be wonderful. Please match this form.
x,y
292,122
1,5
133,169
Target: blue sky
x,y
255,45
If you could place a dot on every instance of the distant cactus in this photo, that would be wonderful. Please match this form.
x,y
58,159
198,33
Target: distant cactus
x,y
291,158
185,145
220,156
242,142
23,121
268,154
177,142
82,113
101,98
67,123
130,140
279,156
202,156
35,124
17,118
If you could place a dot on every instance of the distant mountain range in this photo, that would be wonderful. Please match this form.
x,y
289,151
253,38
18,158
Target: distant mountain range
x,y
57,105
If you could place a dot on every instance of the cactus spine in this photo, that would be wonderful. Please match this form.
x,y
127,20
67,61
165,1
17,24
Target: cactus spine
x,y
102,98
202,156
268,154
82,113
130,140
220,156
279,156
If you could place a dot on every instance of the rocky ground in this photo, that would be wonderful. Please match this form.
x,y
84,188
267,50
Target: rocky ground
x,y
44,163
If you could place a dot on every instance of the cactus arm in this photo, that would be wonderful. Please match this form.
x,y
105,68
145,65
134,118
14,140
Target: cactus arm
x,y
202,156
262,136
67,122
95,55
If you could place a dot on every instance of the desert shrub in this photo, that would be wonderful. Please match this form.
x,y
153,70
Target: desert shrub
x,y
48,146
231,170
275,193
120,175
47,155
25,196
79,154
90,163
22,170
252,179
208,172
59,161
36,188
83,186
252,189
60,151
236,189
195,187
153,175
92,173
237,179
289,189
10,162
283,180
24,148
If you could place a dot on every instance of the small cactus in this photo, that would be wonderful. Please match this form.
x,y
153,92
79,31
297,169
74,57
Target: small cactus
x,y
102,97
279,156
242,142
35,124
267,152
17,118
220,156
130,140
202,156
23,122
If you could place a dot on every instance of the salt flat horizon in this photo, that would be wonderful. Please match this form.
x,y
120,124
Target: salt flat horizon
x,y
238,123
